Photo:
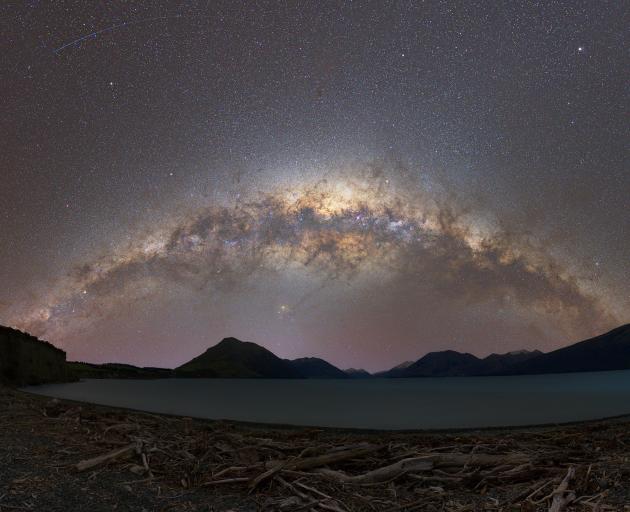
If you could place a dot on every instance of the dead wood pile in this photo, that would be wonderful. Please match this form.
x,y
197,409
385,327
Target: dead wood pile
x,y
571,468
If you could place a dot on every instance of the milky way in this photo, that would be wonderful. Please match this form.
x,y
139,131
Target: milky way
x,y
361,227
359,181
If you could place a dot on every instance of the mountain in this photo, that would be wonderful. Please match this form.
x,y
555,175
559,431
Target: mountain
x,y
450,363
234,358
609,351
26,360
241,359
500,363
358,373
447,363
315,368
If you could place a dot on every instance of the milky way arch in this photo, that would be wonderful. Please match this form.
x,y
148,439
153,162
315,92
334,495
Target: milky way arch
x,y
345,228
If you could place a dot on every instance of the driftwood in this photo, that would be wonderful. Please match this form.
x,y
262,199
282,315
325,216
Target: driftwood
x,y
445,460
267,474
561,496
383,474
311,462
102,459
330,458
294,469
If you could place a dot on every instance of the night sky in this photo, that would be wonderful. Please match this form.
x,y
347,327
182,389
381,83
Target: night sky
x,y
359,181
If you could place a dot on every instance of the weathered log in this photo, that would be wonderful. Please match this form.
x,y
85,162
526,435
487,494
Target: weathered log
x,y
267,474
102,459
311,462
237,480
477,459
122,427
330,458
561,496
382,474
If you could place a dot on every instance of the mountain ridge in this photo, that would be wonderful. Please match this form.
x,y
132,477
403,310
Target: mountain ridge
x,y
588,355
233,358
608,351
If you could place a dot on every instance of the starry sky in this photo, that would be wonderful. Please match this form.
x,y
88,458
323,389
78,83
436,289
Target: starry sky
x,y
359,181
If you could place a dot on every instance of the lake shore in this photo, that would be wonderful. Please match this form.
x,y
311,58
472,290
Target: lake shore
x,y
441,403
61,455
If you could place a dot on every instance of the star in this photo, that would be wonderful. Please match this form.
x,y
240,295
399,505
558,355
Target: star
x,y
284,310
182,167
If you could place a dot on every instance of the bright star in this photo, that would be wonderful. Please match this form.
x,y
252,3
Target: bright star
x,y
283,310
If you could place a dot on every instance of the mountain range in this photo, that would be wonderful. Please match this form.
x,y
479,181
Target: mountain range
x,y
232,358
450,363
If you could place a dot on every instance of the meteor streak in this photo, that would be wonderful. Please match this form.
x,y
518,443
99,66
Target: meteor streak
x,y
93,35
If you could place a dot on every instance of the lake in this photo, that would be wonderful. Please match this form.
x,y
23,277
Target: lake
x,y
428,403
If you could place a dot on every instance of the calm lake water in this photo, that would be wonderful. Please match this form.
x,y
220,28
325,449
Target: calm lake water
x,y
375,403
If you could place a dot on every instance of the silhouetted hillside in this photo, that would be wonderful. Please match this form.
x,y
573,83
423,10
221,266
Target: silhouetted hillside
x,y
316,368
448,363
25,360
610,351
496,364
83,370
235,358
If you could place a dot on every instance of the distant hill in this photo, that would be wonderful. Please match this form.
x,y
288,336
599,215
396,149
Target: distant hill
x,y
447,363
357,373
609,351
450,363
241,359
496,364
315,368
83,370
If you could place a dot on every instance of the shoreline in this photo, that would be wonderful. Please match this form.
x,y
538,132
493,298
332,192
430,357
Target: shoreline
x,y
347,430
382,406
49,448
